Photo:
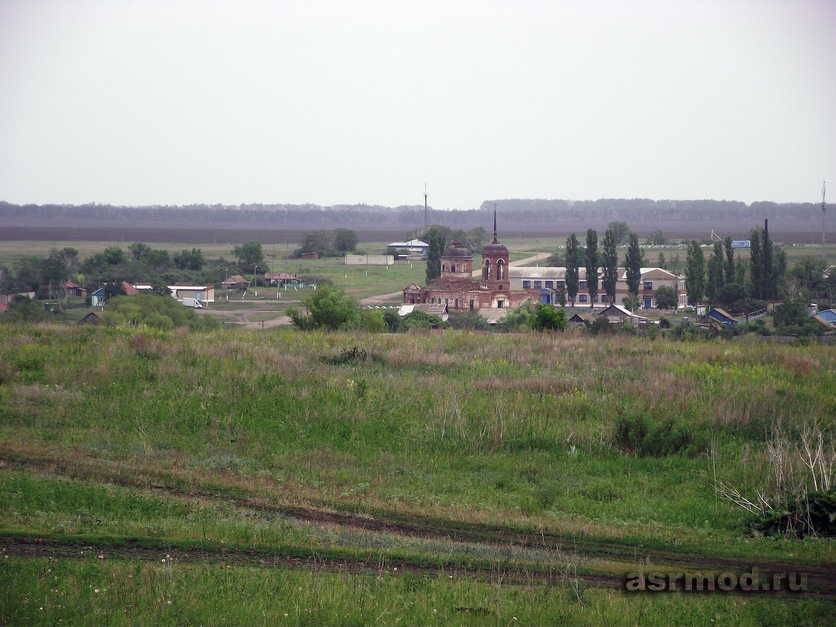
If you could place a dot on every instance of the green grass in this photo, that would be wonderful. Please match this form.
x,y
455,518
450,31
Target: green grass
x,y
174,437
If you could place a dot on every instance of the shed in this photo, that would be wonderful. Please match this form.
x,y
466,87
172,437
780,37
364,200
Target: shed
x,y
236,281
91,318
722,316
617,314
580,319
826,317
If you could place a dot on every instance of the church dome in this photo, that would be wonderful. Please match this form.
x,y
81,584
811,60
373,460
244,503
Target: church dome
x,y
457,251
494,248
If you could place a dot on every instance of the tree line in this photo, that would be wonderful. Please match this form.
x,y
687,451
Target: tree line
x,y
517,211
140,263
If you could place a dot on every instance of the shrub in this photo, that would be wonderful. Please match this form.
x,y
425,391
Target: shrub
x,y
815,514
636,433
327,308
422,320
548,318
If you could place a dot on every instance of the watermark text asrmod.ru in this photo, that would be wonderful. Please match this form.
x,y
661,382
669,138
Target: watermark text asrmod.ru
x,y
751,581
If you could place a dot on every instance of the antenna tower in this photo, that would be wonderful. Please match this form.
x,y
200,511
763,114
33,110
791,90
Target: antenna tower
x,y
426,225
823,223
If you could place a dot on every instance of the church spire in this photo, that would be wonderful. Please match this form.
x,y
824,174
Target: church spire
x,y
495,241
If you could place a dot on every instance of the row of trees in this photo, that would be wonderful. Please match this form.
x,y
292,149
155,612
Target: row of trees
x,y
745,286
607,260
518,211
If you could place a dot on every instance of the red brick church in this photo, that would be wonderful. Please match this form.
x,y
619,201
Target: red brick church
x,y
461,289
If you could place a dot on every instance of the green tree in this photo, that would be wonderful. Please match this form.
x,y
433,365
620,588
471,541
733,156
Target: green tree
x,y
634,265
248,256
372,320
138,250
620,231
345,240
320,242
695,272
392,320
189,260
631,302
572,263
716,274
756,265
23,309
437,244
657,238
665,297
517,319
592,265
326,308
728,266
609,260
548,318
113,255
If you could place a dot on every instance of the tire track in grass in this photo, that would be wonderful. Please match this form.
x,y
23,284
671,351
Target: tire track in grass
x,y
656,556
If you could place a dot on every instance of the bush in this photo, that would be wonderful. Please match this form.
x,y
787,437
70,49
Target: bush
x,y
372,320
422,320
159,312
813,515
638,434
470,321
548,318
601,324
327,308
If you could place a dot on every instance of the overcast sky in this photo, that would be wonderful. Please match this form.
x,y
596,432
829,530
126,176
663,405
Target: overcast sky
x,y
140,102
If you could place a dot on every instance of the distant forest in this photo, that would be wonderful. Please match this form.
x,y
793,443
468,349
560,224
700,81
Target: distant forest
x,y
516,211
281,223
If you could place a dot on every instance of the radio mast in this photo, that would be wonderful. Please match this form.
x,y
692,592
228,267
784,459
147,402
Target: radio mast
x,y
426,223
823,224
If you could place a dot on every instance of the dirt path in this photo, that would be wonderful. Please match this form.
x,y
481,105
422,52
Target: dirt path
x,y
822,577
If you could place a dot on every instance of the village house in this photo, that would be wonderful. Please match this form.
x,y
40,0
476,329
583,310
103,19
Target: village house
x,y
280,278
412,248
236,282
201,293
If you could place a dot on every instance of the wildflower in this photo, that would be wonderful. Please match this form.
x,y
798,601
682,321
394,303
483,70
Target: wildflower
x,y
164,562
96,591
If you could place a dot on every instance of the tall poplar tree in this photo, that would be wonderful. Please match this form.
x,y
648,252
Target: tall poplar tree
x,y
592,265
634,265
695,272
572,263
729,265
610,263
437,241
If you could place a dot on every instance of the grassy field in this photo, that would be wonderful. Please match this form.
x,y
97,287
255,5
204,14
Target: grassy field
x,y
449,478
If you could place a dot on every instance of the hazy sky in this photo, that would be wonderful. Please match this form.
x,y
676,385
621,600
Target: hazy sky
x,y
342,102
